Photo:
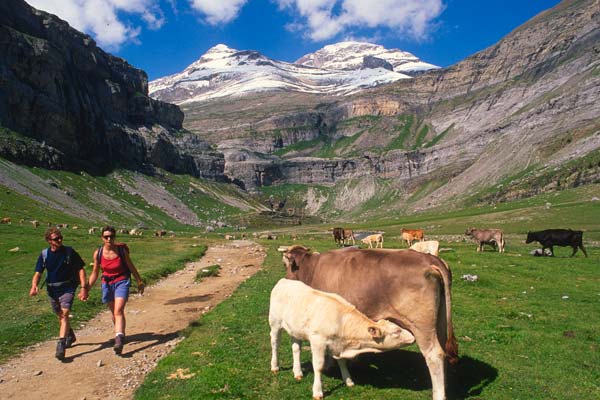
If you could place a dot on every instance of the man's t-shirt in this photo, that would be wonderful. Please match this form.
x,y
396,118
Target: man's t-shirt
x,y
60,269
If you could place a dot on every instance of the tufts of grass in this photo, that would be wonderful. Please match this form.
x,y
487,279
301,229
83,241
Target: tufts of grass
x,y
211,270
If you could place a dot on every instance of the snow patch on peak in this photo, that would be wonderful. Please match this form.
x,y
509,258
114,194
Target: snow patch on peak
x,y
350,55
220,48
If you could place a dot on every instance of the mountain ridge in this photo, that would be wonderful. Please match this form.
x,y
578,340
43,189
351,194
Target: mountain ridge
x,y
223,71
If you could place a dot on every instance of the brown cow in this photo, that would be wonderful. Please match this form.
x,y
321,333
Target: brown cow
x,y
338,236
408,288
5,220
349,236
493,237
410,235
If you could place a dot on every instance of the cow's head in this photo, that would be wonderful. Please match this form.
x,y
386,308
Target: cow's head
x,y
530,237
380,336
292,259
469,231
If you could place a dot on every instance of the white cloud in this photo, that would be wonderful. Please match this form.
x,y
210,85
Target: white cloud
x,y
324,19
218,11
103,19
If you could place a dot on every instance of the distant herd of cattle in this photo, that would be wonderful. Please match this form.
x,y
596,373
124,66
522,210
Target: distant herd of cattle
x,y
92,230
415,239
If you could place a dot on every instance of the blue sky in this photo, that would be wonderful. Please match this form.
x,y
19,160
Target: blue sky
x,y
163,37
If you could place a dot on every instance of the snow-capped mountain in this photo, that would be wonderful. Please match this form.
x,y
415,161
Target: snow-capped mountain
x,y
223,71
351,56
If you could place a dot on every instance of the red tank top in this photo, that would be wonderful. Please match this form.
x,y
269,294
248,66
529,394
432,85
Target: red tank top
x,y
113,269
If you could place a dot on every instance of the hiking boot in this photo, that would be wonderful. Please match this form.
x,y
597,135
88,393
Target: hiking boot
x,y
70,339
60,349
119,342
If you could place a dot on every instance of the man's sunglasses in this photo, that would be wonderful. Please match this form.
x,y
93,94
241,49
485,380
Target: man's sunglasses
x,y
109,237
55,239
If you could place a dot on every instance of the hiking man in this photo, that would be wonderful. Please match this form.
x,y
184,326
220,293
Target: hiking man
x,y
117,268
65,273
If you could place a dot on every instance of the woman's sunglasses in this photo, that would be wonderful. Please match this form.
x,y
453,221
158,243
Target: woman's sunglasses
x,y
56,239
109,237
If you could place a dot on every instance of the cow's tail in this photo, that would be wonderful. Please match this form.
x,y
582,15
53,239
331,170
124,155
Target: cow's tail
x,y
451,346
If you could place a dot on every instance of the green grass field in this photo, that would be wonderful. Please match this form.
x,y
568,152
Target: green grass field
x,y
529,328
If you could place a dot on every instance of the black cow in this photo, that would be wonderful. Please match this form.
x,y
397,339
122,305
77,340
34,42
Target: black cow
x,y
558,237
338,236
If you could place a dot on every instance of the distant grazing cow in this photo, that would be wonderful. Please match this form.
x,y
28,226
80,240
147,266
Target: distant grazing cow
x,y
92,230
136,232
410,235
349,236
493,237
6,220
160,233
428,247
338,236
35,223
229,237
376,238
408,288
558,237
330,323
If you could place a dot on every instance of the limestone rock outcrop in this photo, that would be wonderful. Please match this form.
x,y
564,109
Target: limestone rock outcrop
x,y
90,108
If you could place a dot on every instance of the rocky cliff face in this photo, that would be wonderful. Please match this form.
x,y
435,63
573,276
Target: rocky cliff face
x,y
59,89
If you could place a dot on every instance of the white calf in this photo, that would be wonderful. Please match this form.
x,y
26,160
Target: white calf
x,y
427,247
376,238
328,322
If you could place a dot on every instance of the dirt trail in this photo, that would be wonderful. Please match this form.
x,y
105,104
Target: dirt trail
x,y
92,370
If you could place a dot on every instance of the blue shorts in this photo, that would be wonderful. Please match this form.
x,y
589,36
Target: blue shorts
x,y
117,289
61,299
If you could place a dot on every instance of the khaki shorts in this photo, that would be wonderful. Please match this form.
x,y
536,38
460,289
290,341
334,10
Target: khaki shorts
x,y
62,301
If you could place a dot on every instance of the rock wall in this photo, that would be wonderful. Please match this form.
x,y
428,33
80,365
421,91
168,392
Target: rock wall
x,y
59,89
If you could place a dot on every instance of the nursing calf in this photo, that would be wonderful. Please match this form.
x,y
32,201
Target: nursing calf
x,y
330,323
410,289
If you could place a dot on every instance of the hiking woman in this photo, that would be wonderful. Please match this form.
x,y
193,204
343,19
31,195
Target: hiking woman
x,y
117,268
65,273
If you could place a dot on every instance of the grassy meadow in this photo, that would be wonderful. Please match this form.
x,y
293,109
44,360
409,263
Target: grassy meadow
x,y
528,328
